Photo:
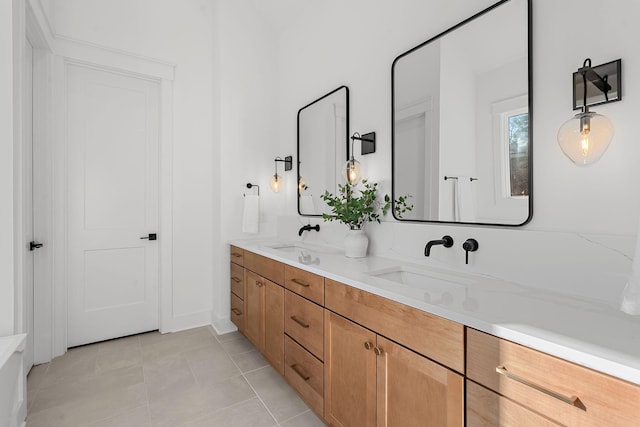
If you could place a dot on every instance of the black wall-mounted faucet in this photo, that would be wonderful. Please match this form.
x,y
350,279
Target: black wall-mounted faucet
x,y
446,241
308,227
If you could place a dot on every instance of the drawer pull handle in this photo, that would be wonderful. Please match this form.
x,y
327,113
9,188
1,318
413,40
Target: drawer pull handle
x,y
298,282
236,255
258,284
299,322
573,400
236,311
299,372
235,279
368,345
378,351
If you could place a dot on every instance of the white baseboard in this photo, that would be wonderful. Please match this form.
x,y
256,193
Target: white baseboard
x,y
187,321
223,326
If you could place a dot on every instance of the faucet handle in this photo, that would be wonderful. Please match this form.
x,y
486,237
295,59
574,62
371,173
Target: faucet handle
x,y
470,245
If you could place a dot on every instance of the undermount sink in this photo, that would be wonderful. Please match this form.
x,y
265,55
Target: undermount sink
x,y
432,279
293,247
287,247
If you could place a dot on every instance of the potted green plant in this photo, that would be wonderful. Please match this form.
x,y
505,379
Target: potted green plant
x,y
355,211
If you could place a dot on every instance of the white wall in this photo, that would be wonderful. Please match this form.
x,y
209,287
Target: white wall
x,y
6,168
179,32
581,237
248,107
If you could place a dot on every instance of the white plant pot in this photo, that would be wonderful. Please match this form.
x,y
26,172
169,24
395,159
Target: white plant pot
x,y
356,243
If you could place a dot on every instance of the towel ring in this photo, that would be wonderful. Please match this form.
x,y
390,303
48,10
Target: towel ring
x,y
250,185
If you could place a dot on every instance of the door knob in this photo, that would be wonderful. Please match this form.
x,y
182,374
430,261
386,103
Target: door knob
x,y
34,245
151,236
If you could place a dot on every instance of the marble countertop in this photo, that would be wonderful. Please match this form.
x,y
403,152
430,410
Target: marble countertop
x,y
589,333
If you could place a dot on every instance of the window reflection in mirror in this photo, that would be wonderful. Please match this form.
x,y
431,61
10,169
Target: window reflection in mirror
x,y
323,132
461,109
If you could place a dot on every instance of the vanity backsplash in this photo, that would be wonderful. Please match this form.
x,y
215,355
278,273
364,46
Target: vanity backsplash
x,y
591,266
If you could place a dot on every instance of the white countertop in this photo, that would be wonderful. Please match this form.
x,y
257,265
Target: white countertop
x,y
589,333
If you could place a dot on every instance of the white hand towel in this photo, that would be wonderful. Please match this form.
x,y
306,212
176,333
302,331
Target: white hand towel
x,y
631,293
251,214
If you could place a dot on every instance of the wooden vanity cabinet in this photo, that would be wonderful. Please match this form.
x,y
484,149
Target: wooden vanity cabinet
x,y
371,380
264,317
486,408
237,284
304,335
515,383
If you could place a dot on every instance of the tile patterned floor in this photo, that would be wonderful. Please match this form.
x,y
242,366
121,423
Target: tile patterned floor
x,y
190,378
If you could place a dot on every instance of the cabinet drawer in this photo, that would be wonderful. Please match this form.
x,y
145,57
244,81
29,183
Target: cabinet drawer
x,y
303,283
265,267
424,333
560,390
304,322
236,255
488,409
237,312
237,280
305,373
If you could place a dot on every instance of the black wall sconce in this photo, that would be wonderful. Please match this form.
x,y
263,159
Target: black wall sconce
x,y
352,170
585,137
276,180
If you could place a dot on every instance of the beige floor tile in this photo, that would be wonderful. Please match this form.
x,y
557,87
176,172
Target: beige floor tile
x,y
75,364
95,385
137,417
229,336
172,344
90,409
238,346
307,419
211,348
280,399
250,413
114,360
36,376
250,361
125,344
193,377
35,379
214,369
167,376
199,401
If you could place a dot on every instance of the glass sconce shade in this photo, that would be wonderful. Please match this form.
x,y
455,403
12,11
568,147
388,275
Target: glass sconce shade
x,y
302,185
276,183
351,171
585,137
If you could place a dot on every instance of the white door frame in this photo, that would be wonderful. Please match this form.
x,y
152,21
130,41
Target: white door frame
x,y
42,55
76,53
51,54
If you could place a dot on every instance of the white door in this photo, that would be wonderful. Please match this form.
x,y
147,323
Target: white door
x,y
112,188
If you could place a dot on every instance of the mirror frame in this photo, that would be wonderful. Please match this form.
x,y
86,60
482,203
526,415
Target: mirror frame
x,y
530,106
346,138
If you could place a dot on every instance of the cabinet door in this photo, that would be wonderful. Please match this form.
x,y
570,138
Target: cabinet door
x,y
274,325
350,373
237,312
415,391
254,309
